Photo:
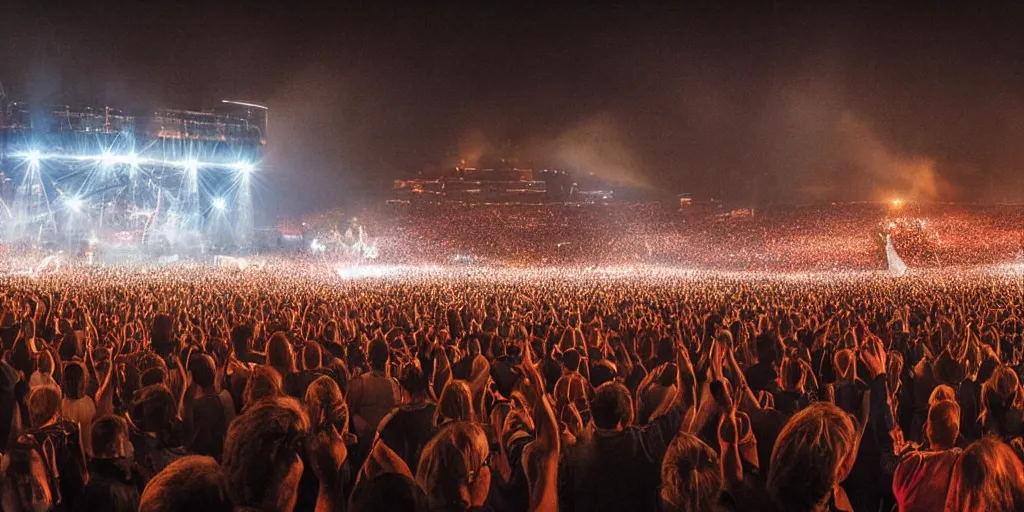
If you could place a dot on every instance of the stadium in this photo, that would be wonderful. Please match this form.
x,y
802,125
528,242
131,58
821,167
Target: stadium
x,y
160,181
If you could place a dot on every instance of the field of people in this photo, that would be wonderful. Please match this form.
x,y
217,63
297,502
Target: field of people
x,y
443,388
824,237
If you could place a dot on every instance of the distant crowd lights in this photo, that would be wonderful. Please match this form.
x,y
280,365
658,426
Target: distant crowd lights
x,y
34,157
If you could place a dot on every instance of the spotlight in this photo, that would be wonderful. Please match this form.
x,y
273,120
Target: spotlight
x,y
131,159
107,159
245,168
33,157
897,202
191,165
219,204
75,204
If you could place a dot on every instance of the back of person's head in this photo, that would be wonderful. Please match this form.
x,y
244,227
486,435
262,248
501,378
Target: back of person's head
x,y
389,492
453,468
43,404
940,393
160,335
379,355
203,370
943,425
240,336
812,455
154,409
110,437
999,394
194,483
611,406
261,458
571,359
25,486
154,376
264,381
413,380
311,356
987,476
75,380
691,478
325,406
455,402
279,353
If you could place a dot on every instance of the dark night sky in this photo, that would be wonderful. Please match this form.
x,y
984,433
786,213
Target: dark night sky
x,y
769,102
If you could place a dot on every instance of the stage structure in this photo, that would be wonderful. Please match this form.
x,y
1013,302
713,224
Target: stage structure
x,y
162,181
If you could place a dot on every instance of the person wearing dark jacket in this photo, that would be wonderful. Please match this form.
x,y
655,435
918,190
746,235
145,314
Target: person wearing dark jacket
x,y
114,480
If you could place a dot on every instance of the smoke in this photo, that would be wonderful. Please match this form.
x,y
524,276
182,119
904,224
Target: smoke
x,y
473,147
597,146
891,175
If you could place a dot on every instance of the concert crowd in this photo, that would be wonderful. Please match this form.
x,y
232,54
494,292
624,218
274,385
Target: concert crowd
x,y
190,388
791,239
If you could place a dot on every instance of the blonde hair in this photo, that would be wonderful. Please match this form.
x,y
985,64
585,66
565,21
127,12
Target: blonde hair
x,y
813,454
325,406
450,461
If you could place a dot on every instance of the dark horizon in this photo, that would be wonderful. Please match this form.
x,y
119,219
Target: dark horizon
x,y
776,103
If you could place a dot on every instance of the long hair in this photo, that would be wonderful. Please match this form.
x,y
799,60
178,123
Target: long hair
x,y
280,354
987,476
455,403
999,395
814,453
451,461
325,406
264,381
691,478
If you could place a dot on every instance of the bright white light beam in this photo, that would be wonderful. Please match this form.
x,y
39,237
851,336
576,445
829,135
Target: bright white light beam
x,y
75,204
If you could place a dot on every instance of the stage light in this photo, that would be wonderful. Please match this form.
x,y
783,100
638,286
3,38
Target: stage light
x,y
75,204
897,202
219,204
131,159
191,165
245,168
107,160
33,157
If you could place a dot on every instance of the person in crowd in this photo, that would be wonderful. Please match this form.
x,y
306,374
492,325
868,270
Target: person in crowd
x,y
813,455
454,468
408,428
922,478
261,455
207,411
114,480
987,476
190,484
77,405
373,395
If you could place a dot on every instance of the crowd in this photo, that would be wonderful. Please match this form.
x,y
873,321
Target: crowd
x,y
820,237
192,388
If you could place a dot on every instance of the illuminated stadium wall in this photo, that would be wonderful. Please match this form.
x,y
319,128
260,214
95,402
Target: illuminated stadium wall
x,y
172,179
